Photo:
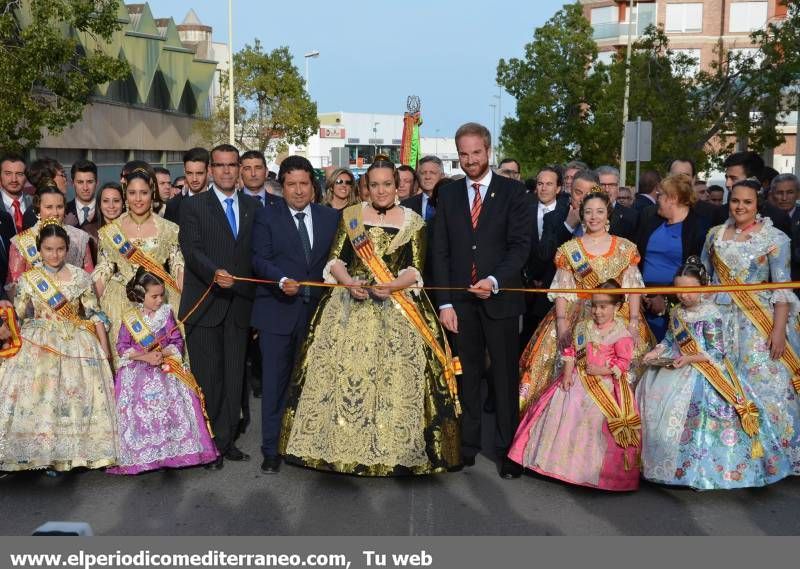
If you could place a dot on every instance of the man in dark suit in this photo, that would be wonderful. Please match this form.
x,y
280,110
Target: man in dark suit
x,y
215,237
646,192
7,232
783,193
84,180
291,242
16,202
539,269
195,170
481,240
624,220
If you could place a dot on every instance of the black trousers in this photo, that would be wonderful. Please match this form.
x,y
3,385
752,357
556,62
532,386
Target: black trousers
x,y
217,357
477,334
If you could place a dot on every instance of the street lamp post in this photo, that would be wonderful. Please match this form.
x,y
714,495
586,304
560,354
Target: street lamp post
x,y
375,138
231,118
311,54
623,160
493,118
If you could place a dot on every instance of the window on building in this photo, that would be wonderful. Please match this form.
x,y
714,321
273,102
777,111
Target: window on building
x,y
686,17
681,61
748,16
604,15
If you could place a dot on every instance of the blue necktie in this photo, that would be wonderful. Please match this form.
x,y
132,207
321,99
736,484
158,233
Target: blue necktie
x,y
261,199
578,231
429,210
230,215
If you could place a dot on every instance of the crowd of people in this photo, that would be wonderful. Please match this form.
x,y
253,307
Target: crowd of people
x,y
381,319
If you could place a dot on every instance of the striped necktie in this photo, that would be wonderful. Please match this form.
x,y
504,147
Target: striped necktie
x,y
475,213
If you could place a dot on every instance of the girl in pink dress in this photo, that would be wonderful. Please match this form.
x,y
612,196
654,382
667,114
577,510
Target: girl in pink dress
x,y
585,429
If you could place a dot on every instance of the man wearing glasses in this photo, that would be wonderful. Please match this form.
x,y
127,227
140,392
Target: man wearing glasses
x,y
509,168
215,237
624,220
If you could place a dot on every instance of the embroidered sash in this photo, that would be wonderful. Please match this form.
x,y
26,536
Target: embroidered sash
x,y
14,343
731,391
362,245
758,315
146,339
26,244
623,420
585,274
131,254
49,293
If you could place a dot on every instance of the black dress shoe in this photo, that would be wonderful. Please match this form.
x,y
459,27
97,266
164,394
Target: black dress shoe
x,y
236,455
468,460
216,465
510,469
271,464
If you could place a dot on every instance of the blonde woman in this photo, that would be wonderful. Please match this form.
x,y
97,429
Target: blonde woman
x,y
340,189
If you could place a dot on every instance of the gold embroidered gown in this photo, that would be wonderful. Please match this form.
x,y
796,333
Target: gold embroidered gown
x,y
114,271
368,396
538,363
57,410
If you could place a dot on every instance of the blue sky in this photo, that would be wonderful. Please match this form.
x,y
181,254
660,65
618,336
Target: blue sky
x,y
374,53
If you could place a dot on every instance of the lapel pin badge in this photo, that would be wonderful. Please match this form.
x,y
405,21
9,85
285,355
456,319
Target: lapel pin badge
x,y
491,195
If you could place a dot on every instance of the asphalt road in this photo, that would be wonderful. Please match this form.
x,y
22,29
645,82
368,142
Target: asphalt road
x,y
239,500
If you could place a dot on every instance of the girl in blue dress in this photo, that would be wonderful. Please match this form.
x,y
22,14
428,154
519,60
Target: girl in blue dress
x,y
701,425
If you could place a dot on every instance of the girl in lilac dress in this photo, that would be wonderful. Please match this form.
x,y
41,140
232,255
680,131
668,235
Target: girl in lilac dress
x,y
162,421
585,429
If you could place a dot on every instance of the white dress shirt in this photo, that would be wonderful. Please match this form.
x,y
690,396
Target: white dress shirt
x,y
8,203
260,195
307,220
541,211
79,205
235,197
484,183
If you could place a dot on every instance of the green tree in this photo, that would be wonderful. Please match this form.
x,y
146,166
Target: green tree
x,y
567,110
272,108
46,78
553,91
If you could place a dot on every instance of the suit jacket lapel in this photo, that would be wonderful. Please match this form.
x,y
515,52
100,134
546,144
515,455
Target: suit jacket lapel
x,y
217,211
245,213
488,203
290,228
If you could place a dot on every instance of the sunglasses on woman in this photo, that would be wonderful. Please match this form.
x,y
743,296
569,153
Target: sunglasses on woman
x,y
345,182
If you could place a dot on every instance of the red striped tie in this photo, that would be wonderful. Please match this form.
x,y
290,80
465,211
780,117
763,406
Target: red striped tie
x,y
475,214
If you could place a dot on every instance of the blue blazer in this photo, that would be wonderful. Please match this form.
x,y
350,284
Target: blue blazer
x,y
278,253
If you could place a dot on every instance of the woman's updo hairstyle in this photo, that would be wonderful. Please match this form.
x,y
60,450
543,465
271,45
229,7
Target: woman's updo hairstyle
x,y
142,172
382,161
694,267
137,286
51,228
751,183
596,193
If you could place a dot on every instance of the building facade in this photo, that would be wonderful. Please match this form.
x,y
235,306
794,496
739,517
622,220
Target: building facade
x,y
352,140
698,28
149,115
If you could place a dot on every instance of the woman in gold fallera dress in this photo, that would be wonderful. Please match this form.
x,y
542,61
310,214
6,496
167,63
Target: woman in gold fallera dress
x,y
584,262
374,391
137,237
